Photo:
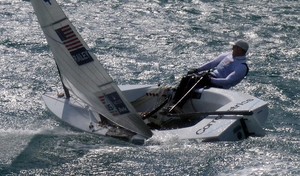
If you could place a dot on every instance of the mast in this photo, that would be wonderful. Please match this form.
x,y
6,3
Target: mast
x,y
66,90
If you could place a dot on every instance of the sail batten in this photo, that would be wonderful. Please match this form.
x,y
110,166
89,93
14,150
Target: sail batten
x,y
82,73
56,22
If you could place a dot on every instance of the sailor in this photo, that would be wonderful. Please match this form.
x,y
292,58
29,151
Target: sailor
x,y
225,71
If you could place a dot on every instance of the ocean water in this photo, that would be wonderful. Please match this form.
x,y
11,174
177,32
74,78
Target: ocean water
x,y
150,42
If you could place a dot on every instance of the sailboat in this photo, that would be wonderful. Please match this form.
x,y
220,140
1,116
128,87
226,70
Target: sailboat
x,y
94,103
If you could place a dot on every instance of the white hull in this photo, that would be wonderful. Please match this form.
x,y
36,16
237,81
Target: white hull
x,y
231,127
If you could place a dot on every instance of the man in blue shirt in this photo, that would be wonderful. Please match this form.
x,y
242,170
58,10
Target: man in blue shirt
x,y
225,71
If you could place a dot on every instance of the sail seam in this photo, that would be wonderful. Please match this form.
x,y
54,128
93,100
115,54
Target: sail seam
x,y
102,85
56,22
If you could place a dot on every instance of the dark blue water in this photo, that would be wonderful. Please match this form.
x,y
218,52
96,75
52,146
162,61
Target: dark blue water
x,y
150,42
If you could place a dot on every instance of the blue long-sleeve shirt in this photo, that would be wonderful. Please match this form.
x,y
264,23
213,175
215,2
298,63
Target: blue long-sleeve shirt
x,y
228,71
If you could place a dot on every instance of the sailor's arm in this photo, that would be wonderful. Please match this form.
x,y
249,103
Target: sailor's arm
x,y
212,64
232,79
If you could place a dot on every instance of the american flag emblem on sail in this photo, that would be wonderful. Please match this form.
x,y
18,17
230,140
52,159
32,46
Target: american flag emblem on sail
x,y
73,45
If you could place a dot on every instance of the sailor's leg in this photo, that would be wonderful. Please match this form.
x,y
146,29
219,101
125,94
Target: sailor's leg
x,y
181,87
205,81
190,83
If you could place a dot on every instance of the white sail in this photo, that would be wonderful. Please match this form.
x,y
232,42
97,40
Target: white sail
x,y
83,73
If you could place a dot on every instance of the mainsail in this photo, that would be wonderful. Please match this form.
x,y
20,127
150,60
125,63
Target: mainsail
x,y
82,73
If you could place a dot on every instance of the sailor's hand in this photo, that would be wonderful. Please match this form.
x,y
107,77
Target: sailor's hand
x,y
206,79
192,71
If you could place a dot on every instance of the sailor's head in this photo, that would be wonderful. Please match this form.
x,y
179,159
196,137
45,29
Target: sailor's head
x,y
239,47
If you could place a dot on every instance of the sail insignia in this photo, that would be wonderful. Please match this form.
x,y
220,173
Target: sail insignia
x,y
74,46
114,104
48,1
